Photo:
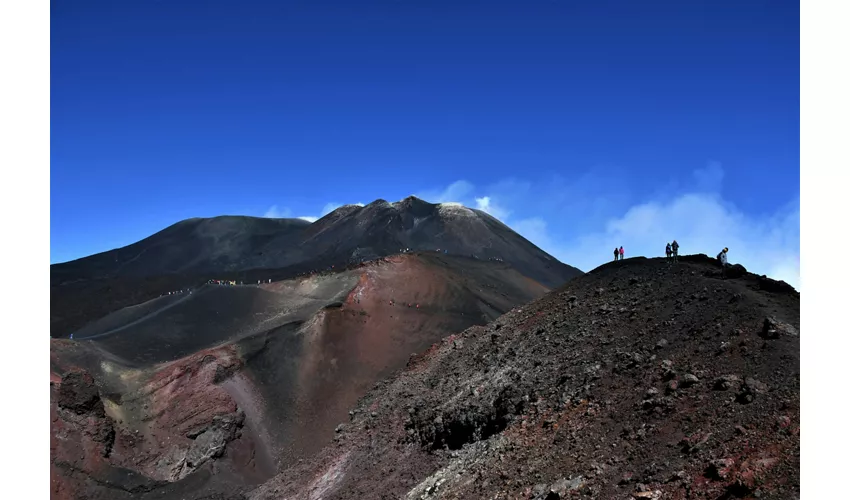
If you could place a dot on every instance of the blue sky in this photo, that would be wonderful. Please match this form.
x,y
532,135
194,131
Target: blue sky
x,y
583,125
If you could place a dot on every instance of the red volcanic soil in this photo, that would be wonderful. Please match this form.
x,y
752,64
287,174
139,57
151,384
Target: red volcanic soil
x,y
271,371
140,444
400,306
641,379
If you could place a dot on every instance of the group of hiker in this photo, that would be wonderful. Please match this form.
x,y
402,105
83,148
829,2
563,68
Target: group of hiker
x,y
234,283
222,282
672,252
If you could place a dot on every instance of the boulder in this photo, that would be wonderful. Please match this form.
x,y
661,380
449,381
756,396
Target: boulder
x,y
720,468
209,444
772,328
78,393
749,389
560,489
689,379
726,382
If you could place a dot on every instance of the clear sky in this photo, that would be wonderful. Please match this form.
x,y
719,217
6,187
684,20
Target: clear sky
x,y
582,124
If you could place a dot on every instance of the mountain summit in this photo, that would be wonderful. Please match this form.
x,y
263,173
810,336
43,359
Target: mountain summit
x,y
349,234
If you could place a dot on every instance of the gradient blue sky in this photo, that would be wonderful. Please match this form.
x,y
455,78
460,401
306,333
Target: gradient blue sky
x,y
582,124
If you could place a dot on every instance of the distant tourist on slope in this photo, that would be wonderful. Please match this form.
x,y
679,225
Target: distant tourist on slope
x,y
622,253
724,262
616,254
675,248
722,257
668,251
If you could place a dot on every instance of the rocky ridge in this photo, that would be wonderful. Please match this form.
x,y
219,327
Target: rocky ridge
x,y
641,379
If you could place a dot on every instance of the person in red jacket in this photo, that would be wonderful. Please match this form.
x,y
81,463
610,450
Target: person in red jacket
x,y
621,253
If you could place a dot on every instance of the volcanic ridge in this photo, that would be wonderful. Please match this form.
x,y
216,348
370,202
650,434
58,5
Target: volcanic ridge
x,y
640,379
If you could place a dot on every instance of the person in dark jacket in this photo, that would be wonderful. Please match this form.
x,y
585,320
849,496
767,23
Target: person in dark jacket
x,y
669,251
616,254
675,248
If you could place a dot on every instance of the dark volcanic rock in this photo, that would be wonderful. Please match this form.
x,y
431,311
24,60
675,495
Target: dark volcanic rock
x,y
689,379
735,271
773,329
79,393
726,382
750,388
211,442
775,286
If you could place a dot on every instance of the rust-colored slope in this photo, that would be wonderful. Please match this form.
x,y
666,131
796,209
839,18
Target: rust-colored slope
x,y
159,438
399,307
263,400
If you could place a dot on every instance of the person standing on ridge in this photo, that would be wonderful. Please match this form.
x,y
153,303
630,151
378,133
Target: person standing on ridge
x,y
669,251
616,254
622,253
724,262
675,248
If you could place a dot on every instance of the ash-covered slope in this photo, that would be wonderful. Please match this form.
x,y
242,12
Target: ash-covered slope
x,y
192,246
175,326
349,234
640,379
